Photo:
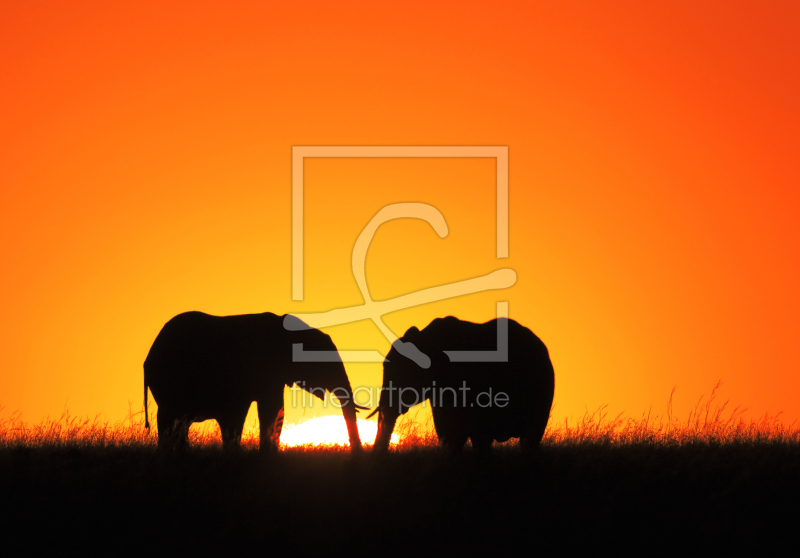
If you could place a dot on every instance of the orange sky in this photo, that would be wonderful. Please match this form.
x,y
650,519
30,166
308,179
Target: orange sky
x,y
145,163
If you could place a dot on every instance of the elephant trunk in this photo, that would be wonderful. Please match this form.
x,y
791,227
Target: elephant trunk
x,y
341,390
386,422
322,377
349,412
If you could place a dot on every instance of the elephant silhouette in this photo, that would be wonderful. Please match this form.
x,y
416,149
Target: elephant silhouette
x,y
477,400
204,367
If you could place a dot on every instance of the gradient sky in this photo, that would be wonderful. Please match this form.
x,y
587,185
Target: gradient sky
x,y
145,163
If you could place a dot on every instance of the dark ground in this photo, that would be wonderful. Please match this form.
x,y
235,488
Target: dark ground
x,y
593,498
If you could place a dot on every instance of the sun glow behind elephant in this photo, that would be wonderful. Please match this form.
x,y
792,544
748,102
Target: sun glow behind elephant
x,y
328,431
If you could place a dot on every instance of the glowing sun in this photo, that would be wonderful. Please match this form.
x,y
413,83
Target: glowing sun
x,y
328,431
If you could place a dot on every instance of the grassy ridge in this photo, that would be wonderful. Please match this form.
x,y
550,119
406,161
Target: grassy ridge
x,y
710,422
654,484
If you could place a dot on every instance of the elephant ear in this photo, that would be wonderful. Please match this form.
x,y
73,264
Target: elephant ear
x,y
410,333
293,323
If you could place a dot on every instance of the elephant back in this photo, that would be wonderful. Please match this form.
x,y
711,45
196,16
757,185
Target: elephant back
x,y
201,358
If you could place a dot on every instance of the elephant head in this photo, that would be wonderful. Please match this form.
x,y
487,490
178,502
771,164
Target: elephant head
x,y
405,384
317,367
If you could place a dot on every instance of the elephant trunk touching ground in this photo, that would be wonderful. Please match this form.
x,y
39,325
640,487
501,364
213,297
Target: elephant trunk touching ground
x,y
349,412
386,422
317,378
404,385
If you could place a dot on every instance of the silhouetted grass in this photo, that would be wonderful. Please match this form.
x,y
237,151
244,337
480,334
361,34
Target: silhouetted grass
x,y
709,422
713,481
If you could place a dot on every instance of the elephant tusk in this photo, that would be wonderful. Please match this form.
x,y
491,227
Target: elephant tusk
x,y
373,412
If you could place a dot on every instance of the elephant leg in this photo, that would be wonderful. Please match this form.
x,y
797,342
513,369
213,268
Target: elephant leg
x,y
481,445
182,433
530,445
453,444
231,425
270,417
173,430
167,429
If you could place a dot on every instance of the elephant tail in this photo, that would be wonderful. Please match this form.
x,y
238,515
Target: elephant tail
x,y
146,417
